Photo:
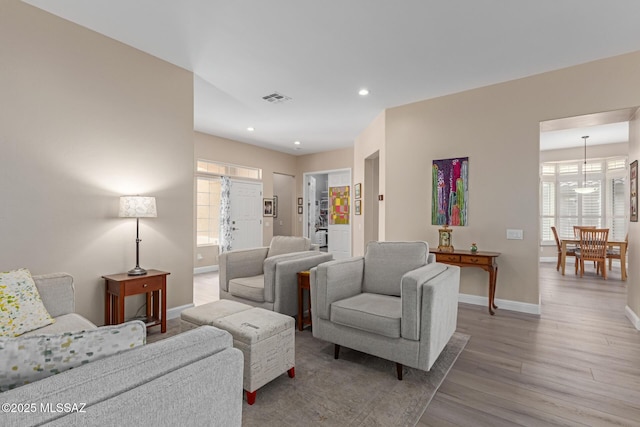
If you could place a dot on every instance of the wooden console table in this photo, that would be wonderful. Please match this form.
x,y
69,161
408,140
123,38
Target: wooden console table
x,y
119,286
480,259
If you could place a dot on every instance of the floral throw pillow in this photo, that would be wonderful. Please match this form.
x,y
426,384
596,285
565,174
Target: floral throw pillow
x,y
24,360
21,309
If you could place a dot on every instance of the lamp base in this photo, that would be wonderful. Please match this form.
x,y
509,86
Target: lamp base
x,y
137,271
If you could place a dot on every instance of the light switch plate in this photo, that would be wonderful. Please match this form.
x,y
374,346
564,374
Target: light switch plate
x,y
514,234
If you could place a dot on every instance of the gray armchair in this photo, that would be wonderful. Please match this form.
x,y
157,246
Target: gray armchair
x,y
266,277
394,303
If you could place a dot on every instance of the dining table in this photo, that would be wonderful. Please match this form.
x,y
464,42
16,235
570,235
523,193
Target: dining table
x,y
622,245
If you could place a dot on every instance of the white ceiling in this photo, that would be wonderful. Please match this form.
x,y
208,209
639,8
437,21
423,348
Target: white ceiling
x,y
321,53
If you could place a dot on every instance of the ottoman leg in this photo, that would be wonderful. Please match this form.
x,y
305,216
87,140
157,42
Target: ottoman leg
x,y
292,372
251,397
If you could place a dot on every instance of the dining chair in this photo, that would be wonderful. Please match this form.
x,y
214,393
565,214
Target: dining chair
x,y
593,247
576,229
614,253
571,251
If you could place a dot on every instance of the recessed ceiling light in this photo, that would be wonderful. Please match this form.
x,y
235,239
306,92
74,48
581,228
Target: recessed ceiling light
x,y
363,92
250,129
296,142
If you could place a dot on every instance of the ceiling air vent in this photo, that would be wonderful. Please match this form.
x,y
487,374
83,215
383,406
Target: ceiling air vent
x,y
276,98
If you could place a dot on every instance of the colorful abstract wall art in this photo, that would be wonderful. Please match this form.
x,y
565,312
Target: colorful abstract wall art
x,y
339,197
450,191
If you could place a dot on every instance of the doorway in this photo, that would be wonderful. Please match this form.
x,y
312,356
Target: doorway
x,y
568,162
328,201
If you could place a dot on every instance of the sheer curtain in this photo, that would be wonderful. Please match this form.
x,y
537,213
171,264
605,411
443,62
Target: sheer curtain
x,y
225,214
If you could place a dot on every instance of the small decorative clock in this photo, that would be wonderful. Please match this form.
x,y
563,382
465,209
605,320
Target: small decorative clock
x,y
444,239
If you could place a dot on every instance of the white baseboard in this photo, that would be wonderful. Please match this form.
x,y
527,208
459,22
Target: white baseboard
x,y
174,312
206,269
633,317
570,260
521,307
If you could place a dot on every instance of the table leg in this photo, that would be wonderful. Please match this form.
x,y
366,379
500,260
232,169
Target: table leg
x,y
563,256
492,289
623,261
150,313
120,306
163,293
495,282
300,300
107,304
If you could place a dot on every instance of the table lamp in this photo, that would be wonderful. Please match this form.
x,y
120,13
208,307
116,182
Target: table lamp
x,y
137,207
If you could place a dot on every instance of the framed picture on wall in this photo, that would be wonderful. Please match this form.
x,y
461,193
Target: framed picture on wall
x,y
267,207
358,207
299,201
275,206
299,210
358,191
633,191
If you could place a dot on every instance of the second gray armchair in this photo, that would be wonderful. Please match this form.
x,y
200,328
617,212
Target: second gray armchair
x,y
266,277
393,303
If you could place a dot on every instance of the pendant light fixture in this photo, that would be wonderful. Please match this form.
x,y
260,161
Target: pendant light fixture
x,y
584,189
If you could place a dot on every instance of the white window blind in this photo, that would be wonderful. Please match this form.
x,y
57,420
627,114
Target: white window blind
x,y
561,206
207,211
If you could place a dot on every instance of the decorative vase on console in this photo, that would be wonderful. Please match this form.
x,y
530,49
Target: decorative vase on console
x,y
474,248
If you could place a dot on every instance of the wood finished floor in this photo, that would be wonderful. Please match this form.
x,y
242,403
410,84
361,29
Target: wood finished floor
x,y
576,364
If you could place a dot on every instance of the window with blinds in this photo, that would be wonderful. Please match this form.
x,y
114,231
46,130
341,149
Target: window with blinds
x,y
562,207
207,211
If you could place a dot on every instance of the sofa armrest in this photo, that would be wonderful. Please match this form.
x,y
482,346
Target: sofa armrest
x,y
282,284
411,295
335,280
57,293
240,263
439,314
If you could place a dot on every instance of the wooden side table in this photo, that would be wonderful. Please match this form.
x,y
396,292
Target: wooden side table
x,y
303,283
119,286
480,259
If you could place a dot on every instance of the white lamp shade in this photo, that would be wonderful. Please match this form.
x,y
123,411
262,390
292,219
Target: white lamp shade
x,y
137,207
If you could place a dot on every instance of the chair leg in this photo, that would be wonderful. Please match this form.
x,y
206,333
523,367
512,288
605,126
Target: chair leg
x,y
399,371
581,267
558,263
336,351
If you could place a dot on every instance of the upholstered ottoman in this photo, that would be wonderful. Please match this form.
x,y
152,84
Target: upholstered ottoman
x,y
205,314
266,339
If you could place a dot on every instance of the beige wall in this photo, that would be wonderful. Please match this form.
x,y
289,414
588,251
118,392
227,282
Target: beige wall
x,y
367,144
497,127
285,188
633,287
209,147
83,120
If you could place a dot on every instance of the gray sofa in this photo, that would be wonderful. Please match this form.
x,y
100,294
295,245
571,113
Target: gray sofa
x,y
193,378
394,303
266,277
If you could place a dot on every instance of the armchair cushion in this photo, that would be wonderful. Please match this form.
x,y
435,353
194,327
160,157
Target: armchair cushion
x,y
287,244
251,288
386,263
379,314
